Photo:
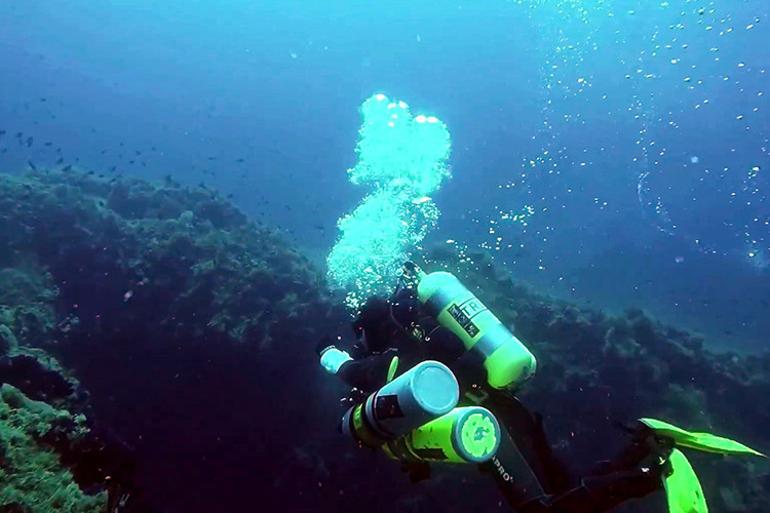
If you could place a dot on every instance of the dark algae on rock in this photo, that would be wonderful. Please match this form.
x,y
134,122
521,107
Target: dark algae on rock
x,y
171,309
182,258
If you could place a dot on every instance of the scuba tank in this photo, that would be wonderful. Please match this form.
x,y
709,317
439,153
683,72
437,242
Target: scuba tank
x,y
425,392
507,361
465,435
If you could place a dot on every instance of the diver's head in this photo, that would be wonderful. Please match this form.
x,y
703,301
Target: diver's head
x,y
405,309
374,325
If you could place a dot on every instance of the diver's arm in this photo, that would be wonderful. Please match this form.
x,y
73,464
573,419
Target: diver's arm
x,y
366,374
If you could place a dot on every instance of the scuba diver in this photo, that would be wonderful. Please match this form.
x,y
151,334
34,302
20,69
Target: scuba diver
x,y
433,346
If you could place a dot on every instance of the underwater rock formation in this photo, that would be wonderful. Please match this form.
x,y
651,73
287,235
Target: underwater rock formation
x,y
121,279
193,329
181,259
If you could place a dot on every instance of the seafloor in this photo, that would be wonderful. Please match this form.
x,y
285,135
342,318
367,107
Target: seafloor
x,y
150,334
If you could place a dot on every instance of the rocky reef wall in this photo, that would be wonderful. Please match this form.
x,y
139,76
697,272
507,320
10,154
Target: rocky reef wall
x,y
162,315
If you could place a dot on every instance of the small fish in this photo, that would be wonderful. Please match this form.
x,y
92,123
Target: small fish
x,y
29,141
420,201
32,165
67,168
48,143
60,161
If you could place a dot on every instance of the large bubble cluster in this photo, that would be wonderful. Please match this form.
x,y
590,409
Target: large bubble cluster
x,y
403,159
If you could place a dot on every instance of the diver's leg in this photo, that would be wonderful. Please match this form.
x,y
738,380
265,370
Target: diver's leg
x,y
638,470
528,436
598,494
512,474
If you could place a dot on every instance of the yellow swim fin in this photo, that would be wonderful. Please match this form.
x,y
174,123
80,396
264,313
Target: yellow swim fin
x,y
683,489
705,442
684,493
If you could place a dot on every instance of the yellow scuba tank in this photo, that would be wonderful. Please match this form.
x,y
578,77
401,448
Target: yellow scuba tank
x,y
469,434
507,361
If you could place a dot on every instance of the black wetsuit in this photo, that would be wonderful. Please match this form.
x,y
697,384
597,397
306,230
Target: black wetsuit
x,y
525,469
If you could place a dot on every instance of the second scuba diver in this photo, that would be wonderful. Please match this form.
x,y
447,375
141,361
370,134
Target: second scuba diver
x,y
433,376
